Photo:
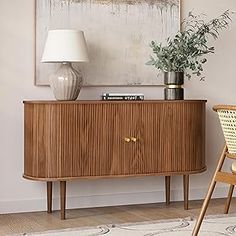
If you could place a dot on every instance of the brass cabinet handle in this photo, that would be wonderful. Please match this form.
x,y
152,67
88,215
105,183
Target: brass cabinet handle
x,y
134,139
127,140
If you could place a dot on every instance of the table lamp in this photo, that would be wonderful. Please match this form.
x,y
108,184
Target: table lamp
x,y
65,46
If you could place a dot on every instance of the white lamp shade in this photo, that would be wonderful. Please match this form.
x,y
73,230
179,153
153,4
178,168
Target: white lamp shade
x,y
65,46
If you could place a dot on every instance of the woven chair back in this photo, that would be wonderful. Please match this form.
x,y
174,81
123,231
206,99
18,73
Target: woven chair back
x,y
227,116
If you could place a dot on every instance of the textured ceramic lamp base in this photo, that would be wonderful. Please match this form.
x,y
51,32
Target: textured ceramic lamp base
x,y
66,82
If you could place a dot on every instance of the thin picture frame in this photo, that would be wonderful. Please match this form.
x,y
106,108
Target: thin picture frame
x,y
94,85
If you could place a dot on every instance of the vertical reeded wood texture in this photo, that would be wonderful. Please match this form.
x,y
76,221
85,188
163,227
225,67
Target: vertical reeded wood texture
x,y
83,139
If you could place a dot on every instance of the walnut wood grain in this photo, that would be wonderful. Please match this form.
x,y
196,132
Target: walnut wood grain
x,y
167,187
66,140
49,197
108,102
63,199
104,139
111,176
186,190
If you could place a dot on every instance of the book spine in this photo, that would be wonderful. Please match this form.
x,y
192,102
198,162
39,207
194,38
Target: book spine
x,y
124,98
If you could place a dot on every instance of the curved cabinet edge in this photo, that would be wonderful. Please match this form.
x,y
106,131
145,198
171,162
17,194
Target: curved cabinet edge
x,y
113,176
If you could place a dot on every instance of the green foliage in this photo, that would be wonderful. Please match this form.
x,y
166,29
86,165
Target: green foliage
x,y
186,51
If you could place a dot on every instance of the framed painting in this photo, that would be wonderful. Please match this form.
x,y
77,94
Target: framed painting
x,y
118,34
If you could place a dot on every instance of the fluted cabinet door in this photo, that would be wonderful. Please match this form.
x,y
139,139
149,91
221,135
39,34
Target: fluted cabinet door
x,y
64,140
170,137
174,137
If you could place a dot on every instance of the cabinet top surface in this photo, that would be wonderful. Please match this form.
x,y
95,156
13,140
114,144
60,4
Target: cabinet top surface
x,y
105,101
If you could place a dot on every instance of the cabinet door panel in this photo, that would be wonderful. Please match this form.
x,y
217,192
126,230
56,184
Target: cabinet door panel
x,y
128,154
132,125
174,135
170,137
94,142
64,140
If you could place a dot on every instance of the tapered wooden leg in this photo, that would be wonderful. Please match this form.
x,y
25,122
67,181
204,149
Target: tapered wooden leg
x,y
229,198
63,199
209,193
167,185
49,197
204,208
186,190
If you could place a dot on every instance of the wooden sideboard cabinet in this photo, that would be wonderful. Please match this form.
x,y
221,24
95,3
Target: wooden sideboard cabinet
x,y
97,139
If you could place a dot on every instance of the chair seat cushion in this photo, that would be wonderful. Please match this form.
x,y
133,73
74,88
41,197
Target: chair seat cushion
x,y
233,167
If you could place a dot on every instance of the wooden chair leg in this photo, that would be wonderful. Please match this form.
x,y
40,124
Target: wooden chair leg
x,y
209,193
229,198
204,208
63,199
49,197
167,185
186,190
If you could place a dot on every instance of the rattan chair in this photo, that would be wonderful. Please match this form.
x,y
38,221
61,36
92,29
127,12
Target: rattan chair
x,y
227,116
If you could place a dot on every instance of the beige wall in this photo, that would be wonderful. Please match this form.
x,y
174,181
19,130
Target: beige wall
x,y
16,84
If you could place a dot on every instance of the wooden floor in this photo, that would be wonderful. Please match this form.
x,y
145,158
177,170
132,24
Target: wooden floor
x,y
41,221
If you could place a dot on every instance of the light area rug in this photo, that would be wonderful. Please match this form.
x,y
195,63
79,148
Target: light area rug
x,y
212,226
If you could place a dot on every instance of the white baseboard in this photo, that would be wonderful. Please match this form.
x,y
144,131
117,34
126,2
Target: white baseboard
x,y
32,205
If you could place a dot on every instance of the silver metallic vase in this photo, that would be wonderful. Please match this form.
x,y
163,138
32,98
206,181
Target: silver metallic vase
x,y
173,82
66,82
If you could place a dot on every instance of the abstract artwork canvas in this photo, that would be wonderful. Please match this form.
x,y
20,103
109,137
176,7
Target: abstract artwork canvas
x,y
118,34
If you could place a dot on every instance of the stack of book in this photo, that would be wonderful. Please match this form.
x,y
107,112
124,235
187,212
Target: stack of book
x,y
123,96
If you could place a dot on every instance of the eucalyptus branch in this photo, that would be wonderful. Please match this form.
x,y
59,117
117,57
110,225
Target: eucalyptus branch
x,y
186,50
